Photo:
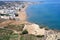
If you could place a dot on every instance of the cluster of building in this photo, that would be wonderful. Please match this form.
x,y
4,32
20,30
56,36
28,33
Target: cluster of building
x,y
9,11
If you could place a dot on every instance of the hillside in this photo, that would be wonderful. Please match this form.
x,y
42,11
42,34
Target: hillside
x,y
17,32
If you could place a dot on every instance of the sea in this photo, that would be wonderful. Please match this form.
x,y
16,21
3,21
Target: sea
x,y
47,14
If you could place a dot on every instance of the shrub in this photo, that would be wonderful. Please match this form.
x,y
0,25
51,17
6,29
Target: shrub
x,y
21,38
58,39
15,27
25,32
40,36
5,34
41,27
46,28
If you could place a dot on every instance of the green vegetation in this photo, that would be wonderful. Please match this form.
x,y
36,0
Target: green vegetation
x,y
25,32
22,38
40,36
4,14
41,27
58,39
5,31
4,37
14,37
29,37
15,27
46,28
5,34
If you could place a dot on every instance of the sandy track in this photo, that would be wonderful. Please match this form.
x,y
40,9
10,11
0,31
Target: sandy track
x,y
5,23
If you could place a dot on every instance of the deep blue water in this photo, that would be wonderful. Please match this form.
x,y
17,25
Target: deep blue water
x,y
46,14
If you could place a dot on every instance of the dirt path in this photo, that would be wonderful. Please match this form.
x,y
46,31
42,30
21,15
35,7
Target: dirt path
x,y
22,13
5,23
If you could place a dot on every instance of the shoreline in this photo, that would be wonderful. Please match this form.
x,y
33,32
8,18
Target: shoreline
x,y
23,16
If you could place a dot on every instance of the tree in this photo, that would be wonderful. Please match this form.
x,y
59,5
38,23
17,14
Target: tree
x,y
25,32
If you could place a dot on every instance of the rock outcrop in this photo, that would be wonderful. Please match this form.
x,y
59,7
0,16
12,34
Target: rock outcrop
x,y
34,29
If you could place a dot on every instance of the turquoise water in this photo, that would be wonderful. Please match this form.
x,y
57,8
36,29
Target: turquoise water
x,y
46,14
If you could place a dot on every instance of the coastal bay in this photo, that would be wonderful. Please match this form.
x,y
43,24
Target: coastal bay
x,y
45,14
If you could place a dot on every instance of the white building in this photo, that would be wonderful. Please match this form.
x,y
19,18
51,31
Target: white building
x,y
4,17
2,11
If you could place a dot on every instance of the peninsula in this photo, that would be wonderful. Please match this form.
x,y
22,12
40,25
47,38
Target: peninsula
x,y
14,24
